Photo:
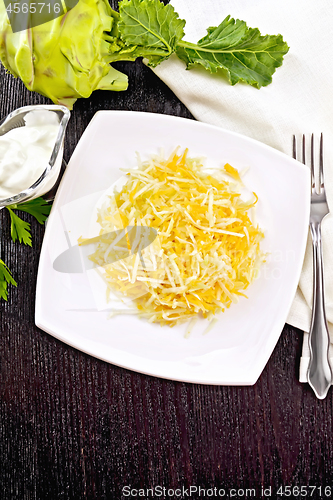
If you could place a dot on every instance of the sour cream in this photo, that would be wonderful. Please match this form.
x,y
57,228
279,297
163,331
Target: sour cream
x,y
25,151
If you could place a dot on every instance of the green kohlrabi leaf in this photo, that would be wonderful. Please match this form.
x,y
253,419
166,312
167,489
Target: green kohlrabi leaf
x,y
243,52
19,230
149,29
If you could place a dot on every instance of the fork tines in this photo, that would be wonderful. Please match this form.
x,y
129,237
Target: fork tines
x,y
312,163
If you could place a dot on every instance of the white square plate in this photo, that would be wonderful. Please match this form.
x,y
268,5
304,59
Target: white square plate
x,y
236,350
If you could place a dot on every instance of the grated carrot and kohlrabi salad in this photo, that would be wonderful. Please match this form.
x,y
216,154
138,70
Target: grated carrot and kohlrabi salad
x,y
207,249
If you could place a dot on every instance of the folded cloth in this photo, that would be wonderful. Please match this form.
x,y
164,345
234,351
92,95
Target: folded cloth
x,y
297,101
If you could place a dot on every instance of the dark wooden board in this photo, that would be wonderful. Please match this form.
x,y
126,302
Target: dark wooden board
x,y
73,427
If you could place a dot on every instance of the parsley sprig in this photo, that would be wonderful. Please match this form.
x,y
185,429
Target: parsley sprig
x,y
5,279
20,230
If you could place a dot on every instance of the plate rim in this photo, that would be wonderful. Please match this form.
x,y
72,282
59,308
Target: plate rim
x,y
42,322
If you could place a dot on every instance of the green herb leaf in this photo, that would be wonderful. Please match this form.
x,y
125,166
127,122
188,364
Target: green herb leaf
x,y
19,229
5,279
150,29
243,52
38,208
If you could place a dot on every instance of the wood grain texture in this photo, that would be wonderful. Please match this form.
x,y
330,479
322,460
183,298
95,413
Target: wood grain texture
x,y
74,427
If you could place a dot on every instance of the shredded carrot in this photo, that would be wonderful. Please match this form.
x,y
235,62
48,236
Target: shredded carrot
x,y
232,171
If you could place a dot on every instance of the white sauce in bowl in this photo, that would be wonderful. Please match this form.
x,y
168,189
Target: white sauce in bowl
x,y
26,151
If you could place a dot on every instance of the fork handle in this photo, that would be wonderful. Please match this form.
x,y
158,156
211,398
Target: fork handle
x,y
319,373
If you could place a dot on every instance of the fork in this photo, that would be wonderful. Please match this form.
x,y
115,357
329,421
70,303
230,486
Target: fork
x,y
319,374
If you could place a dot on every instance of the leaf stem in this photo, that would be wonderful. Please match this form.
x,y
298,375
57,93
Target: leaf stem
x,y
202,48
132,56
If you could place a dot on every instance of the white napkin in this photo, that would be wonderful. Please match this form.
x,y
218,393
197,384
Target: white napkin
x,y
299,100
